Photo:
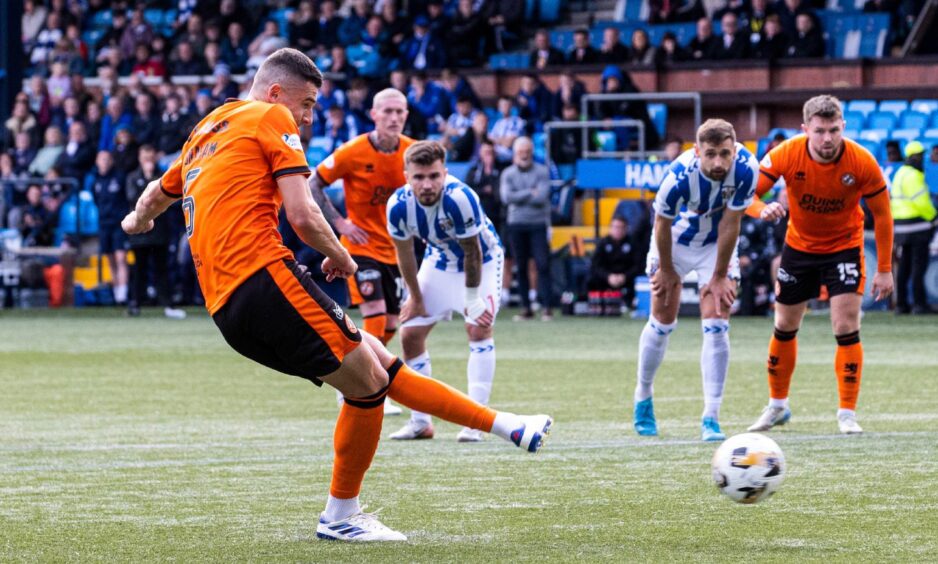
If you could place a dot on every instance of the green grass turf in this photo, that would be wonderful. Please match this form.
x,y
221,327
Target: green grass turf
x,y
149,440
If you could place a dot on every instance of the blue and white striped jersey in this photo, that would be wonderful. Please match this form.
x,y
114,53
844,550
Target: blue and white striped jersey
x,y
696,203
457,215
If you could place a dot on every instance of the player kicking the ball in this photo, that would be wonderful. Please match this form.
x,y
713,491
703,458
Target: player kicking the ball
x,y
698,210
463,250
240,164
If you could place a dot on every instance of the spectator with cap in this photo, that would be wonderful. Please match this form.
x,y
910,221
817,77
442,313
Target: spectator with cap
x,y
913,215
424,50
544,54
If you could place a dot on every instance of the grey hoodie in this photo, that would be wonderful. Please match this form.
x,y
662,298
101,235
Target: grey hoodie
x,y
527,195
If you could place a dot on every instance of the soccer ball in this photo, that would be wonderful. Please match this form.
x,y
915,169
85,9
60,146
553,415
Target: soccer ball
x,y
748,467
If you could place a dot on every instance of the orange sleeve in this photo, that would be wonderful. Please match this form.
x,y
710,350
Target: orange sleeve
x,y
769,173
279,139
882,226
171,181
336,165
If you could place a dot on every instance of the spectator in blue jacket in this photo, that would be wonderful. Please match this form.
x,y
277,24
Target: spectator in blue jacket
x,y
115,116
424,50
428,99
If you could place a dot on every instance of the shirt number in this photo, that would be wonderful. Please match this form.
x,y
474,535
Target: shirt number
x,y
188,202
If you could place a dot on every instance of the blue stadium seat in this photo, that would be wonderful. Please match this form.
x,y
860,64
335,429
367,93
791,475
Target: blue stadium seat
x,y
550,10
933,133
865,107
101,20
606,140
874,135
630,11
459,170
896,107
931,176
874,28
855,120
840,29
539,140
906,135
852,133
154,17
529,6
659,116
282,17
882,120
924,106
762,146
911,119
871,146
509,61
562,40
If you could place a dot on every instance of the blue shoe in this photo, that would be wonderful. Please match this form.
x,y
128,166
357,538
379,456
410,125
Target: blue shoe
x,y
644,419
710,430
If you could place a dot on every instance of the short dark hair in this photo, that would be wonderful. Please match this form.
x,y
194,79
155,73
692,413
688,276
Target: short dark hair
x,y
715,132
582,31
288,63
425,153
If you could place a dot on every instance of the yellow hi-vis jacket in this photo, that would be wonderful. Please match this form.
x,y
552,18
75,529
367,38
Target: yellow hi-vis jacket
x,y
910,201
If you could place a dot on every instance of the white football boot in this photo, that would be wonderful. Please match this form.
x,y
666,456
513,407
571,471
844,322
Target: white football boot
x,y
361,527
468,435
414,430
771,417
533,432
847,421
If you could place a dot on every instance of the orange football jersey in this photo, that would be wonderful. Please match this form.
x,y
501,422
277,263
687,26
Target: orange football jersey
x,y
227,177
369,177
823,198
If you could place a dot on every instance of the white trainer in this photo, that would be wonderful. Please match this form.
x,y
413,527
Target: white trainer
x,y
361,527
414,430
848,423
533,432
771,416
391,409
174,313
468,435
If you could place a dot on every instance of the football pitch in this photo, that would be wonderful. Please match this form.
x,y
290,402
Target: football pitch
x,y
141,440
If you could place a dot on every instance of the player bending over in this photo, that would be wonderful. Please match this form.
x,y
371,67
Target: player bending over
x,y
825,176
463,251
698,210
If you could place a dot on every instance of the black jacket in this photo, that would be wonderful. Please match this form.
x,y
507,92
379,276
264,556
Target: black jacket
x,y
160,234
615,257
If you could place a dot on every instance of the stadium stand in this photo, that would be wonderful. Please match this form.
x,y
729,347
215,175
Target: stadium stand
x,y
85,55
